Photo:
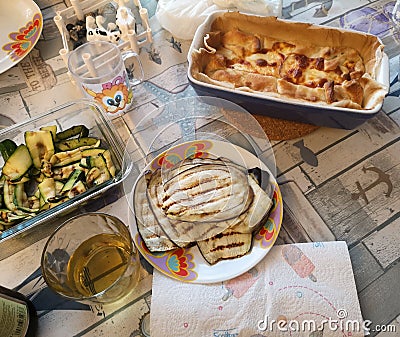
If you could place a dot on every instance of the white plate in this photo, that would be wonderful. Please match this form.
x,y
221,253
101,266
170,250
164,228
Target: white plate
x,y
188,265
20,27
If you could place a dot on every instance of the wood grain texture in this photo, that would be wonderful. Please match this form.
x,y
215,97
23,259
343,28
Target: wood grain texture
x,y
365,267
305,223
371,137
380,301
392,329
353,219
384,243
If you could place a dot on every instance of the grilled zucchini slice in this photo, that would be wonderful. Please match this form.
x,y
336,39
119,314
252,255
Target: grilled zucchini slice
x,y
7,148
98,172
8,194
74,143
76,175
47,189
78,188
77,130
40,145
18,163
52,129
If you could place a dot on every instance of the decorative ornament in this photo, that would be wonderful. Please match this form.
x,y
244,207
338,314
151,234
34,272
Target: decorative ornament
x,y
80,20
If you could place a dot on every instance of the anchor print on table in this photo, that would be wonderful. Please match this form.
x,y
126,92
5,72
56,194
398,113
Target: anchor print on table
x,y
306,154
382,178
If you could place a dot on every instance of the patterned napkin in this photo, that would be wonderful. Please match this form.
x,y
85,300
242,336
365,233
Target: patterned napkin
x,y
303,289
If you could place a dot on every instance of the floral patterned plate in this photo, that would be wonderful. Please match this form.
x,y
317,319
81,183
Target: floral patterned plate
x,y
188,265
20,27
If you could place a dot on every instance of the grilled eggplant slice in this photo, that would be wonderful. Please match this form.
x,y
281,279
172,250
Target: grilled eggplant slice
x,y
207,193
236,241
188,163
229,244
259,208
181,232
212,202
152,192
147,224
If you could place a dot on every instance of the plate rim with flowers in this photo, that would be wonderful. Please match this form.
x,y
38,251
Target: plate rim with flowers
x,y
187,264
25,32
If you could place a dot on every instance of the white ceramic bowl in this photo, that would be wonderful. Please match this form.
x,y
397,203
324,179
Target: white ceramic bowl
x,y
20,27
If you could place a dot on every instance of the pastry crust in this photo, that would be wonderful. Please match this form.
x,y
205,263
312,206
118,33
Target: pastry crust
x,y
255,54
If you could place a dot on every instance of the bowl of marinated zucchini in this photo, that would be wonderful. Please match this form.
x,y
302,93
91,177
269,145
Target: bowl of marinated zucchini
x,y
55,162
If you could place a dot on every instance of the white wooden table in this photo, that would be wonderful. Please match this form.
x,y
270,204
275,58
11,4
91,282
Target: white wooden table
x,y
317,194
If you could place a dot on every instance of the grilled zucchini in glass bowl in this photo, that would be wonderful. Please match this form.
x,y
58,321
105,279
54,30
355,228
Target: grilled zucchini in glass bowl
x,y
53,163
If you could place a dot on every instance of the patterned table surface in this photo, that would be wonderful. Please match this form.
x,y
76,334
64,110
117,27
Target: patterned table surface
x,y
318,173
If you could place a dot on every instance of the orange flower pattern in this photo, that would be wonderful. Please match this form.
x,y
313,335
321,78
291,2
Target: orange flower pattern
x,y
24,39
171,158
178,263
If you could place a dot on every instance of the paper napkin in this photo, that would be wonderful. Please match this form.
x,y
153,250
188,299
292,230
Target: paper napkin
x,y
296,290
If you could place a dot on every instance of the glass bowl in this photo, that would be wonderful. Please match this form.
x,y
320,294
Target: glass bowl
x,y
80,112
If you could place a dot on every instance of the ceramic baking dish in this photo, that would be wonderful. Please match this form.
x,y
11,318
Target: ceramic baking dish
x,y
284,107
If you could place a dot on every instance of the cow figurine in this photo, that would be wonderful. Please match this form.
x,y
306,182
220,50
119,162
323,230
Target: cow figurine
x,y
125,21
96,32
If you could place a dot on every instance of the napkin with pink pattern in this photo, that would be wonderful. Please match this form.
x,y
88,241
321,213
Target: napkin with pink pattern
x,y
303,289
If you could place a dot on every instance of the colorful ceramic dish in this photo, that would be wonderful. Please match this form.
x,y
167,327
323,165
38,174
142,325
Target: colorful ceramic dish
x,y
187,264
21,25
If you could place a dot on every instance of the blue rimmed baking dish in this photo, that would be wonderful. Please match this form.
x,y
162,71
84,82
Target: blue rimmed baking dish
x,y
284,107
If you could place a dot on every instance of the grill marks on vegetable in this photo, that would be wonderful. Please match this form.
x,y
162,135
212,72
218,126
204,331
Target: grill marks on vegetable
x,y
213,203
207,193
49,169
227,246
